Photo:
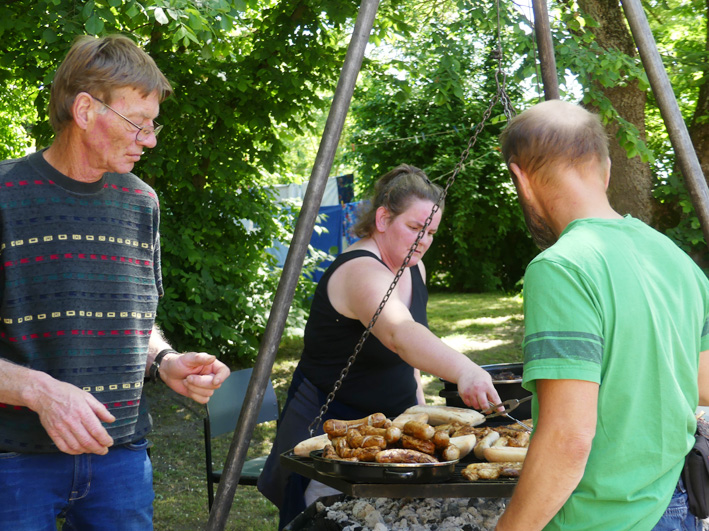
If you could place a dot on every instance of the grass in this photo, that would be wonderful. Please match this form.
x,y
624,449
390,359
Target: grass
x,y
486,327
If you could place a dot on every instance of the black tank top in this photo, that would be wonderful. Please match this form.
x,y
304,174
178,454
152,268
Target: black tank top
x,y
379,380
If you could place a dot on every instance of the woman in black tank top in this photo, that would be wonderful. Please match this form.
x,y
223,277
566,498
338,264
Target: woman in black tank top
x,y
385,376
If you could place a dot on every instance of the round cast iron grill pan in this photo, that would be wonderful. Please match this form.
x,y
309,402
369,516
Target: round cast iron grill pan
x,y
360,472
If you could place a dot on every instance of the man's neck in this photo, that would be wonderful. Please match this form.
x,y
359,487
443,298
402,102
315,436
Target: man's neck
x,y
64,157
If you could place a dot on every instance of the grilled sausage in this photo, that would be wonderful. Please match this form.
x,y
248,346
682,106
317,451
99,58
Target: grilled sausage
x,y
485,442
465,444
520,440
338,428
420,430
356,440
371,430
341,447
391,434
402,455
328,452
413,443
366,454
450,453
441,439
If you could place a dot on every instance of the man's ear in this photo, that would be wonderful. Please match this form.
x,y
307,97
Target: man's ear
x,y
381,218
608,173
81,109
521,180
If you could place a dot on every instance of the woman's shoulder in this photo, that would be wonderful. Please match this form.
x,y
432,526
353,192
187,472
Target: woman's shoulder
x,y
360,249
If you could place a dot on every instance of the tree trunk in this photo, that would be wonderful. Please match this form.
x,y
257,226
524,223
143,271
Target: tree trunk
x,y
699,126
630,189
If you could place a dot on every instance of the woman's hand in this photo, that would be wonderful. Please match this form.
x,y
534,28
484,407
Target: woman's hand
x,y
476,389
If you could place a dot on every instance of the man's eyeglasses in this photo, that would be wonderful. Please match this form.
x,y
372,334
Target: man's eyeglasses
x,y
143,133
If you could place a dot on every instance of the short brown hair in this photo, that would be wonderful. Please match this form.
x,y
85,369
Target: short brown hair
x,y
99,66
554,133
395,191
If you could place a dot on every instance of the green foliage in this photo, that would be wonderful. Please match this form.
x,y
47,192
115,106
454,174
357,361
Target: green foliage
x,y
679,28
420,109
16,117
244,73
594,69
252,79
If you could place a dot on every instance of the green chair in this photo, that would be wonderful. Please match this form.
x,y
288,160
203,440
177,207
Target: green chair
x,y
223,412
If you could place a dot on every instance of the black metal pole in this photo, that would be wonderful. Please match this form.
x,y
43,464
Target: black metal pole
x,y
547,60
293,265
669,109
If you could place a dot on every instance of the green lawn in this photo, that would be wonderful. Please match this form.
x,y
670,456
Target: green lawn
x,y
486,327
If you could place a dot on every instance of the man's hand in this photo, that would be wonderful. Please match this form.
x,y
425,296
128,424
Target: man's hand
x,y
193,374
72,418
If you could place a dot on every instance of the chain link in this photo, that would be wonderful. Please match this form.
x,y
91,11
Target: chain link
x,y
502,97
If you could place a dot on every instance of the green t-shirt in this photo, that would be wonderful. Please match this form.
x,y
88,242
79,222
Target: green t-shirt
x,y
617,303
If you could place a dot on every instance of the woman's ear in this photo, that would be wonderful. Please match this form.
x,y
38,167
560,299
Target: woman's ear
x,y
381,219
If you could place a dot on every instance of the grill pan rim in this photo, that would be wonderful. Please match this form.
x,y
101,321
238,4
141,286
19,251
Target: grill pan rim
x,y
362,472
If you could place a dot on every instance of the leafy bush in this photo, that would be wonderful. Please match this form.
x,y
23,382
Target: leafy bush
x,y
424,118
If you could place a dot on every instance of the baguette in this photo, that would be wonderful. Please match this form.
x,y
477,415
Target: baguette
x,y
304,448
505,454
401,420
446,414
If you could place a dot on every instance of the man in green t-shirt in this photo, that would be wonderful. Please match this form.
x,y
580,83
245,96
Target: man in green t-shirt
x,y
616,348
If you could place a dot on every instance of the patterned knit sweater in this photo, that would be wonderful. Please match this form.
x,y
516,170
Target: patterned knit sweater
x,y
79,287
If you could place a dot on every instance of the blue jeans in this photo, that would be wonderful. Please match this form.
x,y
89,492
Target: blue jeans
x,y
677,516
91,492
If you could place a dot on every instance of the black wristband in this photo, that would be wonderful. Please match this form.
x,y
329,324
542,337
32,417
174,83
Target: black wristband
x,y
154,372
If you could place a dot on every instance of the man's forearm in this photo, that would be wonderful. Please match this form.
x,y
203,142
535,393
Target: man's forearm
x,y
552,470
20,386
558,453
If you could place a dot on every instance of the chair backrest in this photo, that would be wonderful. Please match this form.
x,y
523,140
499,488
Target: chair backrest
x,y
225,405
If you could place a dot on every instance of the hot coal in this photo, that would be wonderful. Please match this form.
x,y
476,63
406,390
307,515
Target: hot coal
x,y
413,514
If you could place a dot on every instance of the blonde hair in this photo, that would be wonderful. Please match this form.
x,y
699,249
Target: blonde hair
x,y
554,134
99,66
395,191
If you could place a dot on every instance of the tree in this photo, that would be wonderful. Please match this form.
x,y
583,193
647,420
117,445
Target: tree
x,y
647,183
246,75
418,106
683,42
617,89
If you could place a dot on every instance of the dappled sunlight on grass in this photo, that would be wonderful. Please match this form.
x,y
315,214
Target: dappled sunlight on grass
x,y
466,344
488,321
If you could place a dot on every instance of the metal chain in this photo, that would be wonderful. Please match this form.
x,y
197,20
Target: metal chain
x,y
508,109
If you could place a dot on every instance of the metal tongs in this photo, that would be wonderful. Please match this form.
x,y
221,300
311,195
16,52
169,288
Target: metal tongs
x,y
508,405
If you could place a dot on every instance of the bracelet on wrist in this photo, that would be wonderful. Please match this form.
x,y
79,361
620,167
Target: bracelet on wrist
x,y
154,371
